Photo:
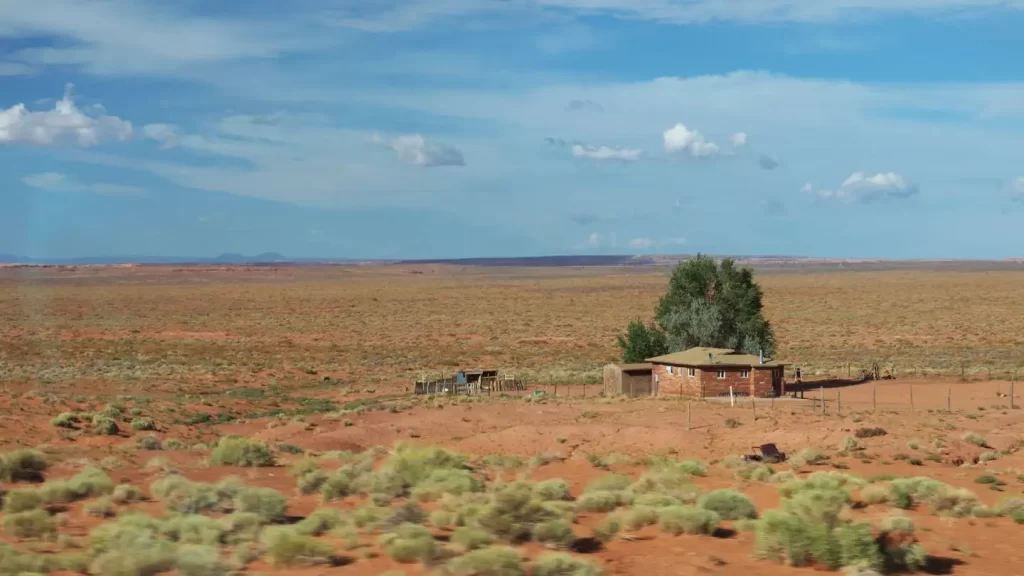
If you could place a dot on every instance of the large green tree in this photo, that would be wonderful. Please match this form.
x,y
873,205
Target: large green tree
x,y
641,342
714,304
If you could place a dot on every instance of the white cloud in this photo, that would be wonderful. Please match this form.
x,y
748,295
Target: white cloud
x,y
1017,190
57,182
594,240
641,243
605,153
679,138
416,149
14,69
864,189
65,124
738,139
807,188
166,134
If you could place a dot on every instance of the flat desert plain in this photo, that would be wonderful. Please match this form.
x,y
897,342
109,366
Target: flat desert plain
x,y
216,420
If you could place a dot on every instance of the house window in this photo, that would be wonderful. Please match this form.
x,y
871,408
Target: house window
x,y
669,369
691,372
745,374
721,374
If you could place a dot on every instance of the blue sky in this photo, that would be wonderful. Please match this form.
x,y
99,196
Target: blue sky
x,y
450,128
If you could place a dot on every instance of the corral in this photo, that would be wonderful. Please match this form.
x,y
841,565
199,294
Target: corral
x,y
480,381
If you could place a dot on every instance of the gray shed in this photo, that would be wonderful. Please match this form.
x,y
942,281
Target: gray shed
x,y
628,379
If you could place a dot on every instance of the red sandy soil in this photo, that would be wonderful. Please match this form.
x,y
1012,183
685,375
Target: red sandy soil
x,y
573,429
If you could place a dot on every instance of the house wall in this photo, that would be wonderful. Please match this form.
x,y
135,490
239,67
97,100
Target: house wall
x,y
618,381
705,382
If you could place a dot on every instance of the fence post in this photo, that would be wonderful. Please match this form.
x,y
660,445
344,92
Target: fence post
x,y
912,398
688,421
874,397
839,402
822,395
949,400
732,397
585,388
1011,394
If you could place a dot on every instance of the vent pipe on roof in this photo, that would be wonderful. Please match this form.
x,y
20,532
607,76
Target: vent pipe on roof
x,y
711,357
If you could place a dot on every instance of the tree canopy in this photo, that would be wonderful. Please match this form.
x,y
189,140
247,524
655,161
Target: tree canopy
x,y
707,304
641,342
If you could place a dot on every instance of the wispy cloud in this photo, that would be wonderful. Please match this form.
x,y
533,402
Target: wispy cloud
x,y
605,153
865,189
14,69
64,124
1016,189
57,182
417,149
641,243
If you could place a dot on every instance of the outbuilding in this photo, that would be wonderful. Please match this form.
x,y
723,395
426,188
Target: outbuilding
x,y
628,380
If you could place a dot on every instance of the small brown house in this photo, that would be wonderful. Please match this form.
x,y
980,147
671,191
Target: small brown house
x,y
705,372
628,380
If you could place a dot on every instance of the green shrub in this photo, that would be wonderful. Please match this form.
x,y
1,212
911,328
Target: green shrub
x,y
105,426
678,520
321,521
601,501
22,500
874,494
239,451
413,464
148,442
183,496
65,420
608,483
100,508
174,444
311,482
23,465
86,484
555,489
142,555
729,505
445,481
126,494
693,467
141,424
342,482
976,439
269,504
607,528
857,546
193,529
667,480
943,499
241,527
512,511
32,524
812,456
849,444
471,538
560,564
194,560
126,533
656,500
554,533
869,432
409,543
285,547
639,516
490,561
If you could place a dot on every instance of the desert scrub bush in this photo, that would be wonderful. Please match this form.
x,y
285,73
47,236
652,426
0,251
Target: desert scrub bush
x,y
269,504
22,500
821,481
554,534
196,560
342,482
554,489
125,532
656,500
285,547
874,494
445,481
143,424
100,508
869,432
678,520
729,505
602,501
193,529
65,420
241,527
974,438
489,561
23,465
561,564
240,451
141,555
988,456
125,494
812,456
848,444
512,512
943,499
86,484
409,543
693,467
468,538
638,517
32,524
755,472
413,464
105,426
321,521
667,480
183,496
148,442
607,483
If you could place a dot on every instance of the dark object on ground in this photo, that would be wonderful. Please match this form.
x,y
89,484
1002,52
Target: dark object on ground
x,y
766,453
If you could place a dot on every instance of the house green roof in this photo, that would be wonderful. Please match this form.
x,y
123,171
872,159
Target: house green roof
x,y
712,357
